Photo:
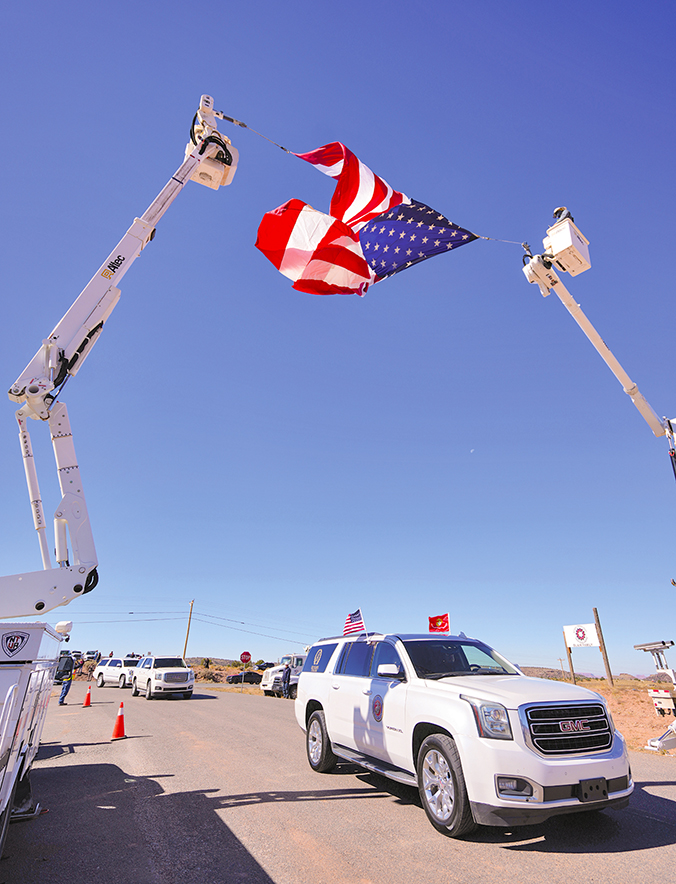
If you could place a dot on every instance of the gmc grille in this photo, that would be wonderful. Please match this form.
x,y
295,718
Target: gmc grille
x,y
176,676
569,730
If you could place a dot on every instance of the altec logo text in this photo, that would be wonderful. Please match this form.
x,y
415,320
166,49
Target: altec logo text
x,y
112,266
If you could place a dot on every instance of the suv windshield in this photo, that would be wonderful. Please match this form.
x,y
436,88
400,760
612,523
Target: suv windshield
x,y
168,663
447,657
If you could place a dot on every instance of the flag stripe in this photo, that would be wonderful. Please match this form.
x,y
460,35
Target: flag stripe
x,y
320,254
360,194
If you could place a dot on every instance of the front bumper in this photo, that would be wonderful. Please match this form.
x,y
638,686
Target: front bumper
x,y
525,814
172,688
557,782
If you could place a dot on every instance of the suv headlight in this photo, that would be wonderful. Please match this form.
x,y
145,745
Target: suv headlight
x,y
491,719
157,676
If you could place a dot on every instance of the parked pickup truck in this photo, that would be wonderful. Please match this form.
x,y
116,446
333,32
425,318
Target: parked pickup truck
x,y
482,743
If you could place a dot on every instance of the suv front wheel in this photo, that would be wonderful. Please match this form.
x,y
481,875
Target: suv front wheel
x,y
134,688
149,690
442,786
318,745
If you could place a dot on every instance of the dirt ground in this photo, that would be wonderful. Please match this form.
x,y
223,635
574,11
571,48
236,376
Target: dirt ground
x,y
633,711
629,703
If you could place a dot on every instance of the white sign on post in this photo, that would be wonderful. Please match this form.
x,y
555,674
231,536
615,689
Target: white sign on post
x,y
583,635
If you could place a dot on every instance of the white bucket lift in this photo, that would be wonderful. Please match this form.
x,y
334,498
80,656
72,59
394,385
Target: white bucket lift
x,y
664,699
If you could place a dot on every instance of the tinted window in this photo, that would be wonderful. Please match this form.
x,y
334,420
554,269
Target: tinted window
x,y
357,658
385,653
115,662
318,658
168,663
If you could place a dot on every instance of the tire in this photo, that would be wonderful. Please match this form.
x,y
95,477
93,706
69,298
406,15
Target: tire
x,y
134,689
149,690
187,695
441,785
293,691
268,693
122,682
99,681
318,745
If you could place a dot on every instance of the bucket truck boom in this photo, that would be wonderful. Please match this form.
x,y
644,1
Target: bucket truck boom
x,y
211,160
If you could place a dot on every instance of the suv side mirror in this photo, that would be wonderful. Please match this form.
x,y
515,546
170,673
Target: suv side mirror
x,y
391,670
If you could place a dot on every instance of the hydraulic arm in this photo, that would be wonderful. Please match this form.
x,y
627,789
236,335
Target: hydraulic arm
x,y
566,249
211,160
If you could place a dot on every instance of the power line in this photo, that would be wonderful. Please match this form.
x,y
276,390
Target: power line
x,y
248,631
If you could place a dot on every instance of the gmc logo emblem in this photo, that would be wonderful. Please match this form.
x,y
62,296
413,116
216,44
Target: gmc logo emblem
x,y
570,727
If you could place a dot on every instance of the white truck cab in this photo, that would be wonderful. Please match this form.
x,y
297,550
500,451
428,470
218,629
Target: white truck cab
x,y
483,743
271,683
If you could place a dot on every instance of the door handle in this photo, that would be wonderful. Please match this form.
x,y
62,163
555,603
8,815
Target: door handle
x,y
335,686
367,692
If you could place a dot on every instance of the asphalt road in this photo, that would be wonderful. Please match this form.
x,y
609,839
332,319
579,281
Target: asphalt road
x,y
217,790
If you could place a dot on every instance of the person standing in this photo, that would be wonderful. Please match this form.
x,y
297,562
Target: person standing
x,y
286,680
66,680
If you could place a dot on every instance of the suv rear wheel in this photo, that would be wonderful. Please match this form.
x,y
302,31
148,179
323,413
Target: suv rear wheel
x,y
442,786
318,745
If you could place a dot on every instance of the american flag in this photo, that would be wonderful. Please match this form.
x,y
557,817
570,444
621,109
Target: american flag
x,y
371,233
354,623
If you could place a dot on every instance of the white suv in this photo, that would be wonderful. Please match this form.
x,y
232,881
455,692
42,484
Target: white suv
x,y
481,742
161,676
115,670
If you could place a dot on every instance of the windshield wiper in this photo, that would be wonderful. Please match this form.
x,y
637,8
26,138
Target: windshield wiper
x,y
438,675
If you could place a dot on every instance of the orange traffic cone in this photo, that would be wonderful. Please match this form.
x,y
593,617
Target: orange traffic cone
x,y
118,730
88,698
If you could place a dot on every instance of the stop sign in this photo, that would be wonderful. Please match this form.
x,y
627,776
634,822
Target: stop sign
x,y
245,657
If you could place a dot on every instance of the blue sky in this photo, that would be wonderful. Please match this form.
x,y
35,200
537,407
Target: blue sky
x,y
449,442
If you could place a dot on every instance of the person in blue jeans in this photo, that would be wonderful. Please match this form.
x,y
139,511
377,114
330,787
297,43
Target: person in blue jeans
x,y
66,680
286,680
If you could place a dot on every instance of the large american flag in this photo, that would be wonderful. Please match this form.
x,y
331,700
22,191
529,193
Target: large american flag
x,y
354,623
372,231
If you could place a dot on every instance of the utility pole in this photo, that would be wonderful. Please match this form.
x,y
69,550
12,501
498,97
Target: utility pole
x,y
563,674
603,647
185,646
570,658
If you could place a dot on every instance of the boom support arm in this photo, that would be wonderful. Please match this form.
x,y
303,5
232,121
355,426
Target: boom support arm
x,y
565,249
211,160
